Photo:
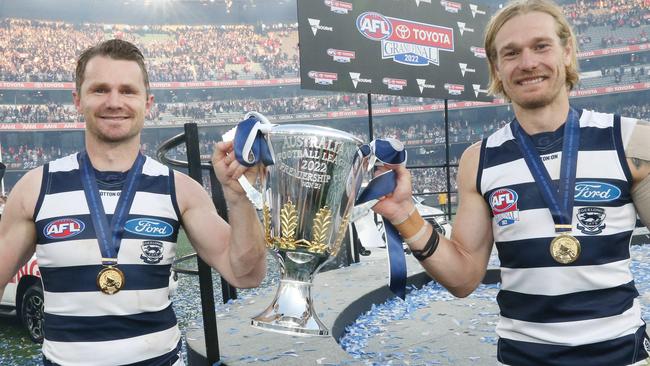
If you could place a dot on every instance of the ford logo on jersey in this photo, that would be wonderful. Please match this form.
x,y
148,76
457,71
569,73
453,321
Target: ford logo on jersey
x,y
63,228
596,192
148,227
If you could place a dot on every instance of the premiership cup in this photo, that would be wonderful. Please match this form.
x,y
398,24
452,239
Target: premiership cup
x,y
307,197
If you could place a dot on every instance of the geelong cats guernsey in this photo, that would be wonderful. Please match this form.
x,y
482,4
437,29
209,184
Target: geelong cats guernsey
x,y
82,325
586,312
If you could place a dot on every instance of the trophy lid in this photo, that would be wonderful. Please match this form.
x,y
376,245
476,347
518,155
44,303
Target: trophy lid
x,y
312,130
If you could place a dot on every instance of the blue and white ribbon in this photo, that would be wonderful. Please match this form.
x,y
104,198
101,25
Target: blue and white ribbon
x,y
381,152
250,144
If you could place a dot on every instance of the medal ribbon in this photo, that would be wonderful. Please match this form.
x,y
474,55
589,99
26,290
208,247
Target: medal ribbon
x,y
109,236
560,202
387,151
251,147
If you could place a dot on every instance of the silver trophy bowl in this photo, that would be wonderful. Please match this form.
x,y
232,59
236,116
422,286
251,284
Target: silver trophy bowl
x,y
307,197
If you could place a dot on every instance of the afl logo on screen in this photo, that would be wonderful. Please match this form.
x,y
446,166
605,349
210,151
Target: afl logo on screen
x,y
374,26
63,228
503,200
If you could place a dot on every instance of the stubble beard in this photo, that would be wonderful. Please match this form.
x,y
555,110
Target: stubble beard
x,y
115,139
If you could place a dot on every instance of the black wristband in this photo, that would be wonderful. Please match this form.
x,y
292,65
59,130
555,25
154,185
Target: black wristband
x,y
429,248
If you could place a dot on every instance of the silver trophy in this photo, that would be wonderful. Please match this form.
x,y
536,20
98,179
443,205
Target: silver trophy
x,y
307,197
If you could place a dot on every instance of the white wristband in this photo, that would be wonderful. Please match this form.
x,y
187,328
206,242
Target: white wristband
x,y
417,235
404,219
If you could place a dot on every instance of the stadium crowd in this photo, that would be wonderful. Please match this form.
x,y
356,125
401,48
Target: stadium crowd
x,y
32,50
614,14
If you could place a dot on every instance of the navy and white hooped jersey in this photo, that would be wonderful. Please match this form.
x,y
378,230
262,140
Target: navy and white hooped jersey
x,y
585,312
84,326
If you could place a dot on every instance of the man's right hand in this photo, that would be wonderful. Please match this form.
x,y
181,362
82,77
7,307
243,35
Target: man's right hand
x,y
397,206
228,170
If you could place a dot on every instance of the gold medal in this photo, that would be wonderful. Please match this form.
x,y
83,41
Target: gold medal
x,y
110,280
565,248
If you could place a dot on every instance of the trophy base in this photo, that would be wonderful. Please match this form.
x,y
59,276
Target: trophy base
x,y
291,312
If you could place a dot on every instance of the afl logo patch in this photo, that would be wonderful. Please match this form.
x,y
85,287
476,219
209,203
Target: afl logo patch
x,y
63,228
504,206
503,200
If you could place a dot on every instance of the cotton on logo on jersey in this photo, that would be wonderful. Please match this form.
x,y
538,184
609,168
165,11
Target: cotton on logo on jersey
x,y
63,228
504,206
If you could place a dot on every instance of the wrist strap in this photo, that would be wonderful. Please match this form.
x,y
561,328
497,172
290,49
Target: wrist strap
x,y
400,222
429,249
411,226
418,235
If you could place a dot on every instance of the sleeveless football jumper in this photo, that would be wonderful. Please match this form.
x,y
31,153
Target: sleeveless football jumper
x,y
82,325
586,312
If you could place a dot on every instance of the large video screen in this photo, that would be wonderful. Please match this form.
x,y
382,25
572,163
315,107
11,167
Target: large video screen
x,y
418,48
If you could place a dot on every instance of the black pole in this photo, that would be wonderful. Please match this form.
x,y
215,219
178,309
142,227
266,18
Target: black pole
x,y
228,292
205,272
371,135
447,153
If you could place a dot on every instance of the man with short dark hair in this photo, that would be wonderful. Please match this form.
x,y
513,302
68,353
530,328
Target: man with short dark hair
x,y
104,222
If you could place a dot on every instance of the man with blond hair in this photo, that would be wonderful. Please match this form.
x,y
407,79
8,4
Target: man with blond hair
x,y
557,190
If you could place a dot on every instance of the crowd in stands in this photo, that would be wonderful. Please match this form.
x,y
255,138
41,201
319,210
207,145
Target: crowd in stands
x,y
33,50
414,134
272,106
210,111
614,14
23,157
433,180
35,113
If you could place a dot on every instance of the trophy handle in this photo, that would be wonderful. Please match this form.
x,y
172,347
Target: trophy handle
x,y
253,194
